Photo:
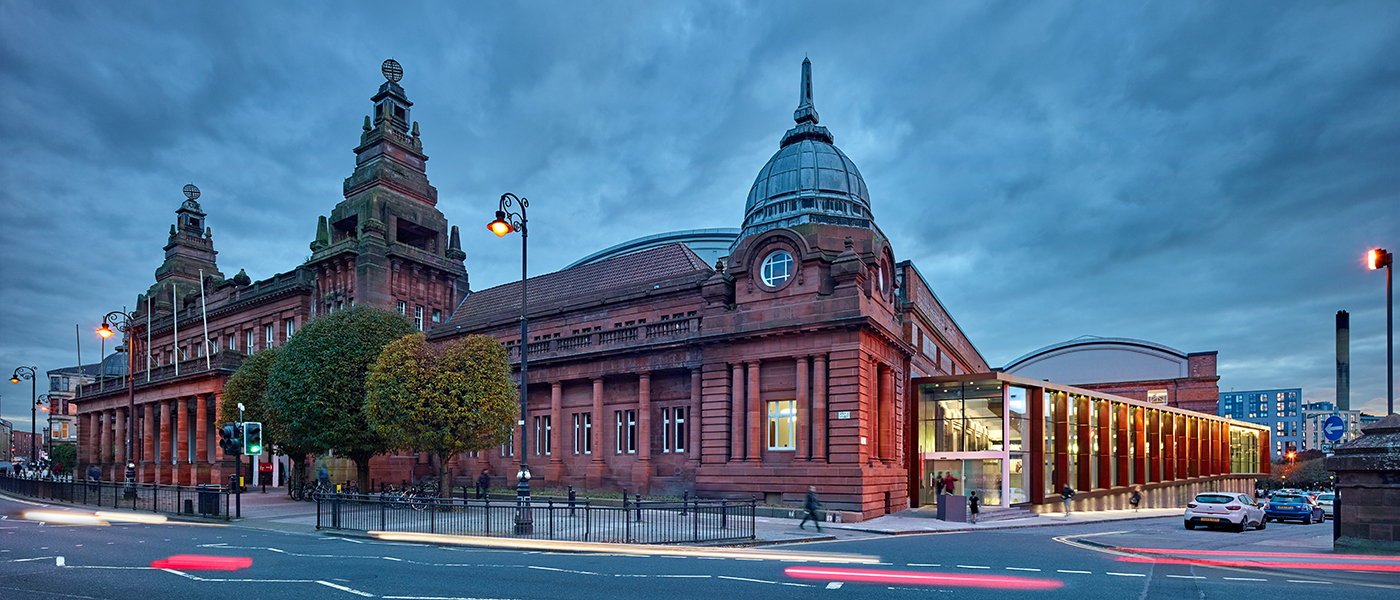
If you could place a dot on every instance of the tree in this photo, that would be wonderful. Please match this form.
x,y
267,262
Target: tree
x,y
248,386
318,382
458,399
66,454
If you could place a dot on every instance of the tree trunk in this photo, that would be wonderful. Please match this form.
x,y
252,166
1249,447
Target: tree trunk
x,y
362,469
444,476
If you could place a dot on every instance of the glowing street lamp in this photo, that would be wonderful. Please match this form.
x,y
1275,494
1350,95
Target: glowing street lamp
x,y
29,373
124,323
1375,259
506,222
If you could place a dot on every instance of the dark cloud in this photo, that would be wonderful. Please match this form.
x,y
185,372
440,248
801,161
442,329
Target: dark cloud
x,y
1203,175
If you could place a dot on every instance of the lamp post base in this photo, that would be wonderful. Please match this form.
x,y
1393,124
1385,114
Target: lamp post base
x,y
524,521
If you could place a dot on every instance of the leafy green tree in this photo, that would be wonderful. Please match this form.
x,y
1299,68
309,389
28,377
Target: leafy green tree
x,y
318,382
248,386
66,454
460,398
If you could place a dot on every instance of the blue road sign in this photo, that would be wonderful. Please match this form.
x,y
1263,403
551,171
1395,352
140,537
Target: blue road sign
x,y
1333,428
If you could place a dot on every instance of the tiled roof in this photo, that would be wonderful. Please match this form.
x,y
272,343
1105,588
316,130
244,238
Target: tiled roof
x,y
666,266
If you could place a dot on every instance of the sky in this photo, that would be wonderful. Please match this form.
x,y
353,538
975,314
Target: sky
x,y
1204,175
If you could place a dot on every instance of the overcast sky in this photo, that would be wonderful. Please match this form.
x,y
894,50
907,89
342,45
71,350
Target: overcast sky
x,y
1202,175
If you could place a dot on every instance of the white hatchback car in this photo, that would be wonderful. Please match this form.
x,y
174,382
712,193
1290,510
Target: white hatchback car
x,y
1224,509
1325,500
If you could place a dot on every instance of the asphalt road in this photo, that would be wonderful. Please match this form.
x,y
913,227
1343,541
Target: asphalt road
x,y
39,561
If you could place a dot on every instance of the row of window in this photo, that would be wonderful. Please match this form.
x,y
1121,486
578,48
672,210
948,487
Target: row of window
x,y
675,433
418,314
250,343
584,330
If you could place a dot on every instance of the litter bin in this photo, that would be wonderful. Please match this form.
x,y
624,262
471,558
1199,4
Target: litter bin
x,y
952,508
209,499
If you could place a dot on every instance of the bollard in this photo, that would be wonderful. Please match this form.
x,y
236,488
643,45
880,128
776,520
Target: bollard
x,y
639,508
573,496
685,497
724,514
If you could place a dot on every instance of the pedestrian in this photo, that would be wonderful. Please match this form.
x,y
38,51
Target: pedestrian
x,y
323,475
949,482
1136,498
483,482
811,505
1067,496
973,504
938,480
94,474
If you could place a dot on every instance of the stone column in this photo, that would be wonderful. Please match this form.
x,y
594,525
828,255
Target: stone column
x,y
641,470
201,438
756,421
887,427
556,457
819,412
164,454
804,409
694,422
103,421
148,442
1367,488
594,478
736,413
182,441
119,439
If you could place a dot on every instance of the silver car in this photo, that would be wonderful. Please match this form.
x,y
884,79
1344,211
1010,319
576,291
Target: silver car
x,y
1224,509
1325,500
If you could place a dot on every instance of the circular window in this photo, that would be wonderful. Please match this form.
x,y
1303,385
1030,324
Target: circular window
x,y
777,268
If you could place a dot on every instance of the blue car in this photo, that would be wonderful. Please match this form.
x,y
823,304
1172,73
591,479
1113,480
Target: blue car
x,y
1297,507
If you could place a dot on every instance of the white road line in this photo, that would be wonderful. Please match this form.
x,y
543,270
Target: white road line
x,y
835,585
436,598
1021,569
1243,579
559,570
686,576
345,589
391,558
761,581
1137,575
972,567
924,565
1186,577
1309,581
1080,572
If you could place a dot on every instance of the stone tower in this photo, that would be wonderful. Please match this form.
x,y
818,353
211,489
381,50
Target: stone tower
x,y
387,244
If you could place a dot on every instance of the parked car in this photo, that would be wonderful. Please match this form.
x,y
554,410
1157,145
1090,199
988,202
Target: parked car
x,y
1297,507
1324,501
1224,509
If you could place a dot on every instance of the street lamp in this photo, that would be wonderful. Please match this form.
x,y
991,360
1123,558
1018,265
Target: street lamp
x,y
506,222
45,403
1375,259
29,373
123,323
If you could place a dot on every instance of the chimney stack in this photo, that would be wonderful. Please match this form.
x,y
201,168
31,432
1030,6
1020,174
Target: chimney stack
x,y
1343,360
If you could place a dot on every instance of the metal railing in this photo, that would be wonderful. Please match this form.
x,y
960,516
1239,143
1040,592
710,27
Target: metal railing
x,y
644,522
205,501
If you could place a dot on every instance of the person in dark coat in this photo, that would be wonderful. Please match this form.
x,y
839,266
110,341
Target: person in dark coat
x,y
483,482
938,480
811,505
1136,498
973,504
1067,495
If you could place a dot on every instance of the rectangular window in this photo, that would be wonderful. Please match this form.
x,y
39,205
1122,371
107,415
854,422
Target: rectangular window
x,y
66,383
681,439
291,327
508,448
782,425
269,336
402,308
583,433
418,318
65,430
54,382
437,316
626,431
543,439
665,430
248,339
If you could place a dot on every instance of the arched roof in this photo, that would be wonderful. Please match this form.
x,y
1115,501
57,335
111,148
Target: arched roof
x,y
1093,359
708,244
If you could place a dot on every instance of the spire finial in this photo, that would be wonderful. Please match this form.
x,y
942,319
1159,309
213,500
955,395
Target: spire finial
x,y
806,112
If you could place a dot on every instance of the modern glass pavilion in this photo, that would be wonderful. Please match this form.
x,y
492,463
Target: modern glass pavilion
x,y
1019,441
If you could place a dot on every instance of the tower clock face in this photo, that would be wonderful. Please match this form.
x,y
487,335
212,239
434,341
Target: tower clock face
x,y
392,70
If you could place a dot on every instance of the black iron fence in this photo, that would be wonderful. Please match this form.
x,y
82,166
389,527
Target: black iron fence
x,y
644,522
204,501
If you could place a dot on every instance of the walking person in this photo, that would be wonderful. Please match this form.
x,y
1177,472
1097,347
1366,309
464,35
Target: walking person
x,y
973,505
483,481
1136,498
1067,496
949,482
811,505
938,481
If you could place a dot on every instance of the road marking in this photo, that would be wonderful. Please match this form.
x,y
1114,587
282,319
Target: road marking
x,y
972,567
1021,569
761,581
58,561
1080,572
391,558
1137,575
835,585
1243,579
687,576
559,570
437,598
924,565
345,589
1308,581
1186,577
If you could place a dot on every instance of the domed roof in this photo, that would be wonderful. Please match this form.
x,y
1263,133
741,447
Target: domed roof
x,y
809,180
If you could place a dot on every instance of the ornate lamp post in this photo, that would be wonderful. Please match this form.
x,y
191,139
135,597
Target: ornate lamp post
x,y
506,222
123,323
45,403
22,373
1376,259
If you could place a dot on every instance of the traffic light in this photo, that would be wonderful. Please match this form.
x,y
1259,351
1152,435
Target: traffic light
x,y
252,438
229,439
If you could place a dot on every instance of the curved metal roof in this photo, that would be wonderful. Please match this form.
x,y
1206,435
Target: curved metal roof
x,y
708,244
1093,340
